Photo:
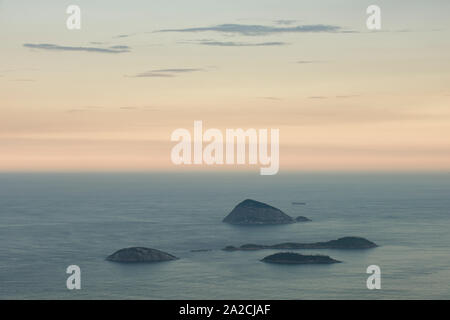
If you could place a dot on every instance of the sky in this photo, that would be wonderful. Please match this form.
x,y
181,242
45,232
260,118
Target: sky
x,y
108,96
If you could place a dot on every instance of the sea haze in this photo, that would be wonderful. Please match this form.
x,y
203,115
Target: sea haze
x,y
51,221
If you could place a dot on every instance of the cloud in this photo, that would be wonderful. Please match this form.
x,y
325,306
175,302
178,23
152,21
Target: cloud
x,y
84,109
19,69
152,75
241,44
124,35
54,47
347,96
257,30
179,70
165,73
93,107
120,47
271,98
24,80
307,61
286,22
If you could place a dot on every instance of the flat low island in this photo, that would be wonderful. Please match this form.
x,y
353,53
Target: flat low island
x,y
345,243
296,258
140,254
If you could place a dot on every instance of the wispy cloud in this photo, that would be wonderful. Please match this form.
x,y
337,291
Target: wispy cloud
x,y
178,70
307,61
242,44
271,98
55,47
286,22
165,73
120,47
257,30
317,97
347,96
93,107
19,69
152,75
24,80
98,109
84,109
124,35
75,110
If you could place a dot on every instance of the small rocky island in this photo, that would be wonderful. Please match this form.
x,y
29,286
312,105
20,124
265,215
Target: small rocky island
x,y
251,212
302,219
295,258
342,243
140,254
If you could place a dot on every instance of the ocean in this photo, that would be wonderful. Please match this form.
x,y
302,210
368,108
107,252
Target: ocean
x,y
50,221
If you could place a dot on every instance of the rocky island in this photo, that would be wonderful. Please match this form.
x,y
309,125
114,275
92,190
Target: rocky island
x,y
251,212
140,254
302,219
341,243
295,258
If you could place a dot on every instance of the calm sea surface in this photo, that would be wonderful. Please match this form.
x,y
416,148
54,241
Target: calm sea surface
x,y
51,221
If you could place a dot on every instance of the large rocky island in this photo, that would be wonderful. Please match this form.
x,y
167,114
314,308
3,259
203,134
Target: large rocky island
x,y
251,212
295,258
342,243
140,254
